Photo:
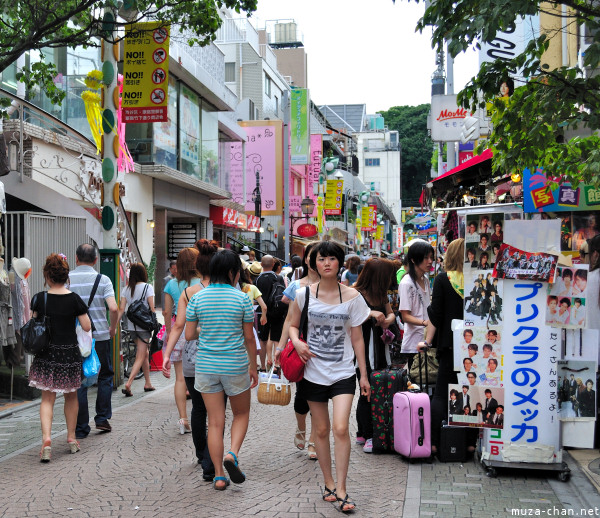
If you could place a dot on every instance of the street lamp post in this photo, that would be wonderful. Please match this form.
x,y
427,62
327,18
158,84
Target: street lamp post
x,y
256,198
307,206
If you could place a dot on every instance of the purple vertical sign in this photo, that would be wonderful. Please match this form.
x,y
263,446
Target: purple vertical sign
x,y
314,168
261,159
236,173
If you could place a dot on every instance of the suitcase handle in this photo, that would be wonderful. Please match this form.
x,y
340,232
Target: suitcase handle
x,y
421,427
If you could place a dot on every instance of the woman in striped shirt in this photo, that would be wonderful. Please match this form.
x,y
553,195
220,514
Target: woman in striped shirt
x,y
226,359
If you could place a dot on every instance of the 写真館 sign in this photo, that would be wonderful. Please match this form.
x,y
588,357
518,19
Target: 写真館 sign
x,y
307,230
446,118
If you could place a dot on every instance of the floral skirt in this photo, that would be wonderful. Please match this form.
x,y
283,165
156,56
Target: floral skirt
x,y
57,369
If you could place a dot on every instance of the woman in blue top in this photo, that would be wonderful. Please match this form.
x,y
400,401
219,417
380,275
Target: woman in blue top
x,y
226,359
187,275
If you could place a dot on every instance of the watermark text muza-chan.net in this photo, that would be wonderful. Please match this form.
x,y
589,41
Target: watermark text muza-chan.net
x,y
555,511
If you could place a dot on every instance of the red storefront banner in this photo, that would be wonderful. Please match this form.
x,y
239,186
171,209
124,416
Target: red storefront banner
x,y
253,223
224,216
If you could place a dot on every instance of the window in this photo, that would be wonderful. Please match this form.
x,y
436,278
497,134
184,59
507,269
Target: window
x,y
276,106
372,162
267,85
230,72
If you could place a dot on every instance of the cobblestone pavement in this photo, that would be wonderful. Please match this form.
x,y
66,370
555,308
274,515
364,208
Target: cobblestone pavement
x,y
144,468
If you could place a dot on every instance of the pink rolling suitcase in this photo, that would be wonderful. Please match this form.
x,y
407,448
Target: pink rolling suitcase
x,y
412,425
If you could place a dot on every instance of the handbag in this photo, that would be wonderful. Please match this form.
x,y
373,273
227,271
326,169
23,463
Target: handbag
x,y
140,315
432,366
274,391
35,334
291,364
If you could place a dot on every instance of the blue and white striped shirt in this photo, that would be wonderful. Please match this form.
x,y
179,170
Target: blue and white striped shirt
x,y
221,311
82,281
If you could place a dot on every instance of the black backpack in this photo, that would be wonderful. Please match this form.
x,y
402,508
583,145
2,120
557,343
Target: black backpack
x,y
275,306
140,315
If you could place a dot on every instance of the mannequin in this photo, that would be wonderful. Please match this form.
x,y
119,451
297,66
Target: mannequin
x,y
7,330
3,274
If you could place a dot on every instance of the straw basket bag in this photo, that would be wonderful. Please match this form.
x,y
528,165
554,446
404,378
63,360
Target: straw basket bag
x,y
274,391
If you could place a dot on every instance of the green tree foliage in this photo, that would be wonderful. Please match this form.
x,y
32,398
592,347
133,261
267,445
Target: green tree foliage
x,y
411,124
549,107
37,24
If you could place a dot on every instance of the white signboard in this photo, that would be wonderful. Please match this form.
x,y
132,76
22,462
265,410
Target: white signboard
x,y
446,118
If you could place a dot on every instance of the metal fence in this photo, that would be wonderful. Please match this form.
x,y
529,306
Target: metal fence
x,y
36,235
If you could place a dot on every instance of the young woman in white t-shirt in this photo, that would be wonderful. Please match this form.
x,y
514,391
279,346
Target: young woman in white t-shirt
x,y
137,285
334,337
415,296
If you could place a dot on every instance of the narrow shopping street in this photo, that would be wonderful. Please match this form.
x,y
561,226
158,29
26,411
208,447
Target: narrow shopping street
x,y
145,468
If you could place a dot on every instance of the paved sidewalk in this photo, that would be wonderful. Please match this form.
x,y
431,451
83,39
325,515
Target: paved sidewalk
x,y
144,468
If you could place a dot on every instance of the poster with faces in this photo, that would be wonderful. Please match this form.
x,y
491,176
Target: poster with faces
x,y
576,389
484,233
566,302
478,355
483,298
476,407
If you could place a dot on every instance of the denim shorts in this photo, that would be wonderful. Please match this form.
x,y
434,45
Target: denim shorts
x,y
232,385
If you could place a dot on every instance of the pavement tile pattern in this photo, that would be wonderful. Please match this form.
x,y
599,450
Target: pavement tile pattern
x,y
144,468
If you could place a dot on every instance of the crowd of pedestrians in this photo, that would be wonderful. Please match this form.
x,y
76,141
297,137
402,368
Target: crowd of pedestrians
x,y
228,318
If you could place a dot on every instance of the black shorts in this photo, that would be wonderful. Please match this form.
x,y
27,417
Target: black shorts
x,y
323,393
271,330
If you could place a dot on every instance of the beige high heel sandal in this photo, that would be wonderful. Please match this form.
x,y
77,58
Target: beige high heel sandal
x,y
300,439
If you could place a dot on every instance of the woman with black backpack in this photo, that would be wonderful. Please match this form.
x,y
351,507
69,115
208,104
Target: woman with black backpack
x,y
138,289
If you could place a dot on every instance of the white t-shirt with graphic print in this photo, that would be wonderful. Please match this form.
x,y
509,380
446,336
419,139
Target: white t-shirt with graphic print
x,y
329,328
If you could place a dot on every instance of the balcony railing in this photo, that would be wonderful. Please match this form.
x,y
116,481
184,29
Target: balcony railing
x,y
238,30
210,58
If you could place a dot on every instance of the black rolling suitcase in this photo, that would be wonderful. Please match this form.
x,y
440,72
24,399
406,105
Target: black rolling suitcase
x,y
384,384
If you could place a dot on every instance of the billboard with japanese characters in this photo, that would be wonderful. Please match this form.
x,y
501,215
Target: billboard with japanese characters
x,y
543,194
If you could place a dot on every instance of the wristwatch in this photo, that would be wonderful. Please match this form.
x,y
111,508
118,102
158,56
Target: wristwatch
x,y
427,344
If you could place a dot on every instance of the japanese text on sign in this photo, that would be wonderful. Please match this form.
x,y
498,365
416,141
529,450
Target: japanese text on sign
x,y
146,72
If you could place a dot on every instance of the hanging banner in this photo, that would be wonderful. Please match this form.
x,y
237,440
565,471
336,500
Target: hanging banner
x,y
333,197
235,179
379,233
540,195
146,72
373,217
264,165
369,218
314,169
299,127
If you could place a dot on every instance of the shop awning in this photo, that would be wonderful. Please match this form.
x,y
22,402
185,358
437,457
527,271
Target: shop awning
x,y
486,155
